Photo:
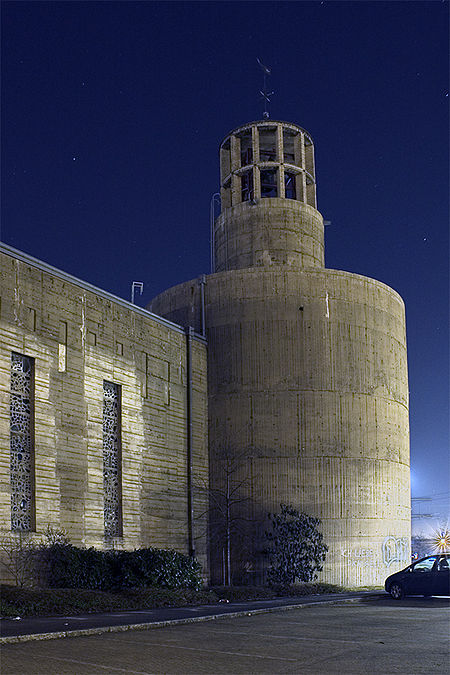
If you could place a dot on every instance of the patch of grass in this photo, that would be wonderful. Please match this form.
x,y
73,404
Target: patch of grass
x,y
24,602
58,601
243,593
314,588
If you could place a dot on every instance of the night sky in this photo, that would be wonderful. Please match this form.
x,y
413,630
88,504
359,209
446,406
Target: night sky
x,y
112,117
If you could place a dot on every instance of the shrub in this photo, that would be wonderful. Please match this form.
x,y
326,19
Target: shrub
x,y
154,567
66,566
296,548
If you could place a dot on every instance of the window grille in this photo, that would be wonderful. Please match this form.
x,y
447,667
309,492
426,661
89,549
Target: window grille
x,y
21,442
112,460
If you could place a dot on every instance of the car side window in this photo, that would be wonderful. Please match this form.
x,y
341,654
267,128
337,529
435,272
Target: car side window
x,y
425,565
443,565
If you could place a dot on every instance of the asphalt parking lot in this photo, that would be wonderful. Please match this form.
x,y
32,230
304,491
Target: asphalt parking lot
x,y
378,635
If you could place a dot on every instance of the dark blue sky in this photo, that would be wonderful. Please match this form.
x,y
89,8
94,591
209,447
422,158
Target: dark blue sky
x,y
112,117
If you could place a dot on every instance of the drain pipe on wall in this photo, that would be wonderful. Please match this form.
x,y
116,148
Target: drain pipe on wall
x,y
202,282
189,443
215,199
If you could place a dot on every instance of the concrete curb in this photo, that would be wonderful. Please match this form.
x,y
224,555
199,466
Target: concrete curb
x,y
13,639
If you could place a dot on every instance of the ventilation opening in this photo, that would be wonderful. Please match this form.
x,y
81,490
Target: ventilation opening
x,y
247,186
267,145
288,146
269,183
289,185
246,149
225,159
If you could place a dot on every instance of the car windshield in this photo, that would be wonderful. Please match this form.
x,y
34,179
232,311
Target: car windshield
x,y
424,565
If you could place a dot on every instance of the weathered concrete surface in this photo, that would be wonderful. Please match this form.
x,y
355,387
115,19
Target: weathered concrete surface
x,y
377,637
101,339
270,232
308,382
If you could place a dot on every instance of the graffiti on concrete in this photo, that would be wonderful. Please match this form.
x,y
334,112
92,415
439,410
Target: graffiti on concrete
x,y
360,557
395,549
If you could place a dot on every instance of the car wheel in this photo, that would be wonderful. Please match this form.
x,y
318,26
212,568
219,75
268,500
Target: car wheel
x,y
396,591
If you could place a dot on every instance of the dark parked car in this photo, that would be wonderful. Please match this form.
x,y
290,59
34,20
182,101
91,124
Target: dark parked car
x,y
428,576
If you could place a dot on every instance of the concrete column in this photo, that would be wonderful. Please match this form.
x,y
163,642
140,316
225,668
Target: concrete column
x,y
255,142
235,165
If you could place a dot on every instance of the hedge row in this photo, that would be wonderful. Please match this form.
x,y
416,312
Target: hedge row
x,y
66,566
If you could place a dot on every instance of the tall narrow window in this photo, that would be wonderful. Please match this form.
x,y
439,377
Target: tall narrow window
x,y
267,145
288,145
289,185
269,183
112,460
21,442
246,149
247,186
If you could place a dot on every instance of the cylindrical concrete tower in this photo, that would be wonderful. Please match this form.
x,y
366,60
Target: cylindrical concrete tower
x,y
308,389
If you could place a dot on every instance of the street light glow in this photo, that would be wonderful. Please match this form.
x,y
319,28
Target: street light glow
x,y
441,540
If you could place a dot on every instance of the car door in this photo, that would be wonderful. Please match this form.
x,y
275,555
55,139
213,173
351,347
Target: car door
x,y
442,576
420,580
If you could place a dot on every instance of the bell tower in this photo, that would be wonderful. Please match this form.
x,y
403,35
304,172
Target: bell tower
x,y
268,197
307,370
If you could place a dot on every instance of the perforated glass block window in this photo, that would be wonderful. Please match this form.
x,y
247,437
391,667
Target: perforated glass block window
x,y
247,186
21,442
269,183
112,459
289,185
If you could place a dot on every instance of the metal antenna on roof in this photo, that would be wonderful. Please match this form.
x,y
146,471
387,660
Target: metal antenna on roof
x,y
264,93
136,285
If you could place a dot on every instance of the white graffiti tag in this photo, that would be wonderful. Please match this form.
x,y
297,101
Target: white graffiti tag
x,y
395,549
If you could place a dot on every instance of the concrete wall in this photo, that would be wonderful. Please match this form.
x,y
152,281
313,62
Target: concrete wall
x,y
270,232
106,339
308,389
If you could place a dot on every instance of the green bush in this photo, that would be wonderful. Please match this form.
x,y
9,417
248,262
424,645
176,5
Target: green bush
x,y
154,567
296,549
66,566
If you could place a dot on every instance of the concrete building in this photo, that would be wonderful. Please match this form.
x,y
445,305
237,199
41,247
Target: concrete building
x,y
307,369
103,415
104,406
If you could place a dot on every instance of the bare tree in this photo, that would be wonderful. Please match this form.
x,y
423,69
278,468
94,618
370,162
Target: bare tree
x,y
17,556
227,494
21,554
